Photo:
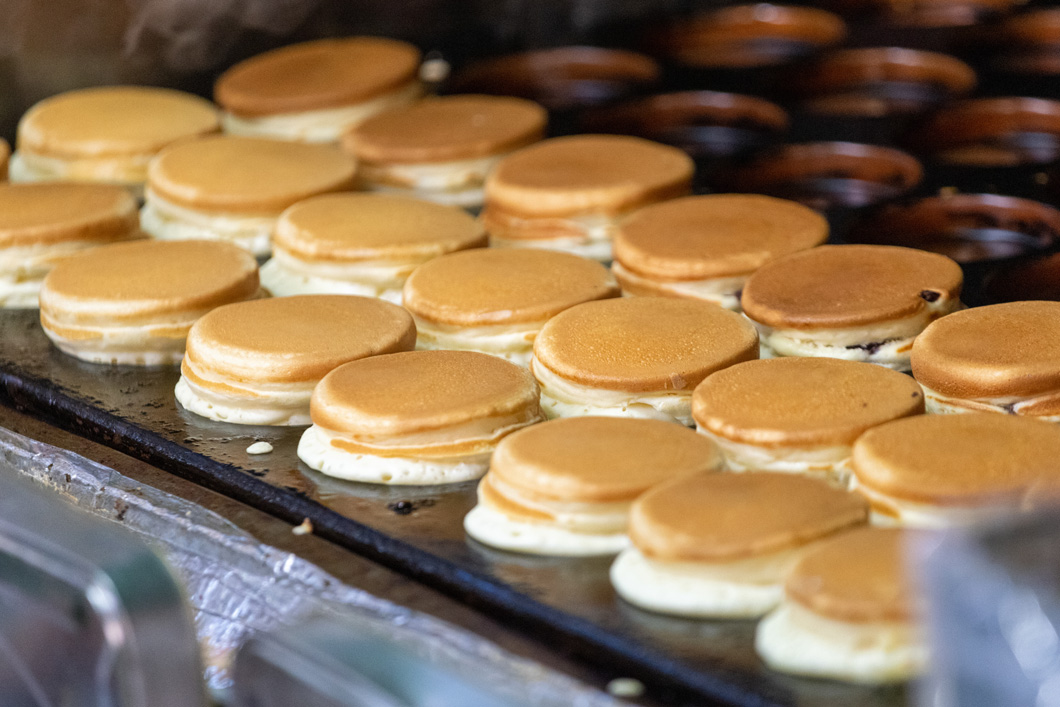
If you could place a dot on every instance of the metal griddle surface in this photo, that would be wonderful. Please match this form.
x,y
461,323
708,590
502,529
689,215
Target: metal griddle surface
x,y
566,602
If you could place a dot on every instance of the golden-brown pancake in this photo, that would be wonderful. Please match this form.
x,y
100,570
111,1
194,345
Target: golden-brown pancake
x,y
600,459
129,280
5,155
486,286
247,175
294,339
113,121
257,362
717,235
802,401
325,73
1000,351
858,576
39,214
849,285
406,393
133,303
644,343
725,517
447,129
352,227
971,460
580,174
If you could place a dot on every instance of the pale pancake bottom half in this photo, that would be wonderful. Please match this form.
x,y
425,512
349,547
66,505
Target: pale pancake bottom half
x,y
887,344
563,398
512,342
828,462
888,511
284,276
745,588
157,344
722,291
316,450
493,528
796,640
457,183
23,269
322,125
166,221
128,171
273,405
939,404
593,239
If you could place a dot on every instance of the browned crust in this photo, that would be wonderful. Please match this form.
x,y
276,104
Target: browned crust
x,y
600,459
802,401
447,129
415,391
858,576
717,235
1003,350
229,174
584,174
644,344
326,73
36,214
848,285
973,459
499,286
725,517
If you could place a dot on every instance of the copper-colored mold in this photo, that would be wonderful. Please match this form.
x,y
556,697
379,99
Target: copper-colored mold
x,y
827,175
703,123
563,78
992,132
966,227
746,36
1037,279
880,81
1030,43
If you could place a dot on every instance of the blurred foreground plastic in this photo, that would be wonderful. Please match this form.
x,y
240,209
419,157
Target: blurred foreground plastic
x,y
331,662
89,616
994,607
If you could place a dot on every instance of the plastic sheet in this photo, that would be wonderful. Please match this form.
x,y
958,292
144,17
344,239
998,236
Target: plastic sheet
x,y
238,586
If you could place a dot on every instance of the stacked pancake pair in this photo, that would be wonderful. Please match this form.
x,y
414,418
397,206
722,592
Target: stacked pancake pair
x,y
695,541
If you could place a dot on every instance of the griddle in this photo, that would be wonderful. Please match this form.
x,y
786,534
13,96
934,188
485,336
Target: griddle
x,y
566,603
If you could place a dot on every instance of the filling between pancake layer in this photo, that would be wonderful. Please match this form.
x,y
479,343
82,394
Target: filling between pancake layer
x,y
285,274
456,183
23,268
831,462
587,235
939,404
891,511
886,343
723,291
146,344
325,125
447,455
126,170
563,398
512,342
217,398
744,588
166,221
794,639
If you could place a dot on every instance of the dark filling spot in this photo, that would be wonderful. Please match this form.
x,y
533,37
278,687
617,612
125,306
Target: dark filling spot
x,y
871,348
404,508
929,295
